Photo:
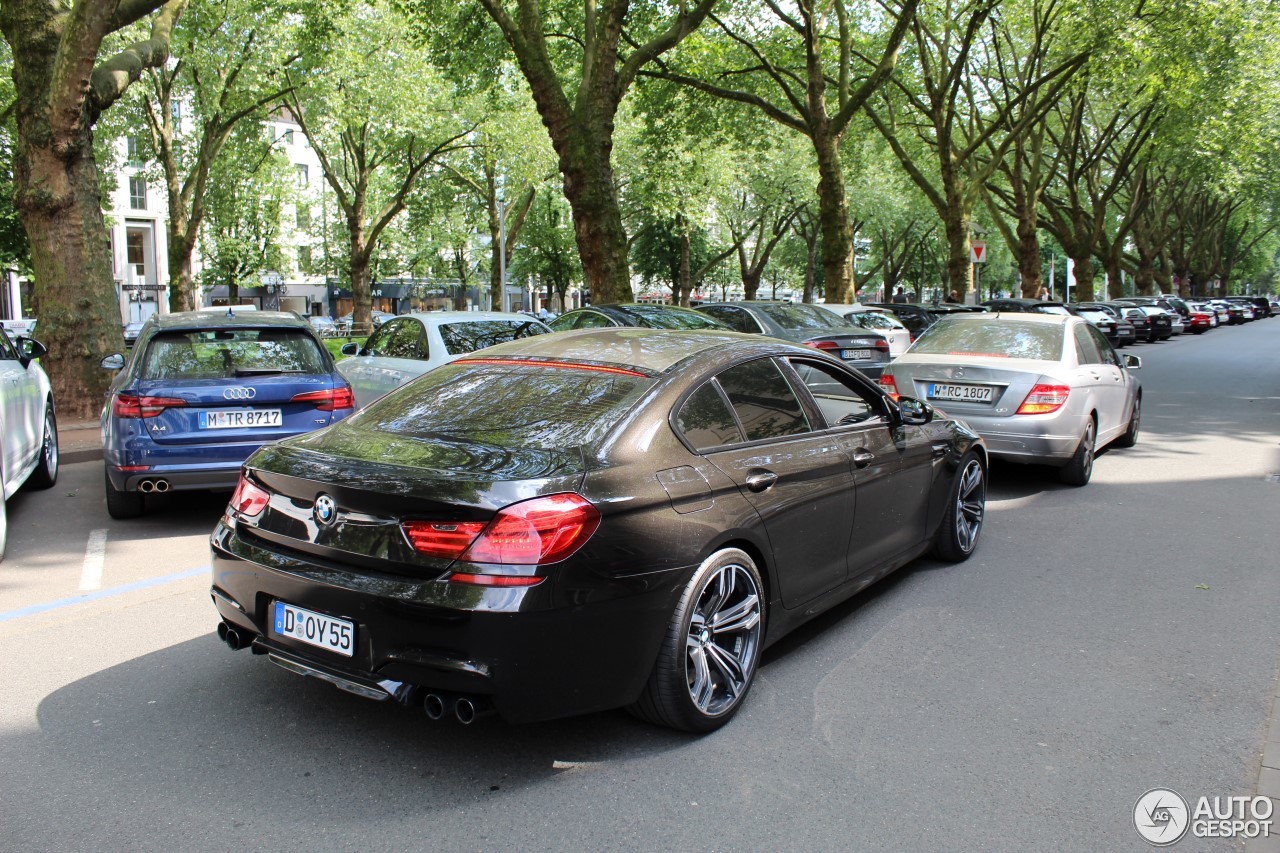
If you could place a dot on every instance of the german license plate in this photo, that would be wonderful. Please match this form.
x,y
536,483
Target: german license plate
x,y
240,418
315,629
856,354
961,393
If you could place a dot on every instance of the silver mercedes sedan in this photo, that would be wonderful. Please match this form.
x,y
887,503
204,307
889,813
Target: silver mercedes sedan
x,y
1040,388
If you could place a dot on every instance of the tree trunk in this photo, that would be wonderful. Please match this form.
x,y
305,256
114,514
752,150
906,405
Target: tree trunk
x,y
959,267
58,198
1082,269
181,277
684,283
833,218
361,290
810,265
1029,252
597,219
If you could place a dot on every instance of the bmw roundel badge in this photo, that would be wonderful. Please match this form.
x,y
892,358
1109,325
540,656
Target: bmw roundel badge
x,y
325,512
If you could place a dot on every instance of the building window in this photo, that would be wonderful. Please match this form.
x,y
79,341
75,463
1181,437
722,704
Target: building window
x,y
134,147
135,253
304,176
304,260
175,110
304,217
138,192
288,136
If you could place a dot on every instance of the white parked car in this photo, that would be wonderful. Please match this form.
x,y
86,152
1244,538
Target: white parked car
x,y
404,348
28,428
874,320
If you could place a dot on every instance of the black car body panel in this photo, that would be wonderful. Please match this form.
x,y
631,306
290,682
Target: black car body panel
x,y
585,636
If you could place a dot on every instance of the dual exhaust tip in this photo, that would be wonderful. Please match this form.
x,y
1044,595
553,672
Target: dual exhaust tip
x,y
150,486
234,637
466,710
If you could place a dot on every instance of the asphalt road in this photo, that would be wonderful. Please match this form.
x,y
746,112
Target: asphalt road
x,y
1103,641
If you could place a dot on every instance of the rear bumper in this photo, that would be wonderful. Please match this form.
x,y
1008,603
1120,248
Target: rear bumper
x,y
1034,439
535,660
180,478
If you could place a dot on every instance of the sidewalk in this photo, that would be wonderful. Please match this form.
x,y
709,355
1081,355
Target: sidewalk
x,y
79,441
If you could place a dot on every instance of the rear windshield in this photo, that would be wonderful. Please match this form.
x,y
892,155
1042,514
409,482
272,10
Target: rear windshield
x,y
228,353
1003,338
462,338
802,317
1052,309
873,320
668,317
544,408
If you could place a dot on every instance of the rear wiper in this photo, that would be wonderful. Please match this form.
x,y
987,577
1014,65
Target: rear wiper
x,y
263,371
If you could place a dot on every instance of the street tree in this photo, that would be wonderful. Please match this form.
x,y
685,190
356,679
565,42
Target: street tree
x,y
62,86
374,144
810,68
580,60
948,131
229,59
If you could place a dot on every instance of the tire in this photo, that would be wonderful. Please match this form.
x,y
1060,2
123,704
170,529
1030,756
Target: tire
x,y
1130,436
703,673
46,472
1078,471
4,519
966,507
120,504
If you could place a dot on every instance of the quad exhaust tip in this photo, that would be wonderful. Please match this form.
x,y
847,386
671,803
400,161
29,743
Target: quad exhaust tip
x,y
466,709
234,637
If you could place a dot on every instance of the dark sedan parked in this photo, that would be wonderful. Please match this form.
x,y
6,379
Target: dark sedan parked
x,y
809,325
587,520
640,314
1026,306
918,316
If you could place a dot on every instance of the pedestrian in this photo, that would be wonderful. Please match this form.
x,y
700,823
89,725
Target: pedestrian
x,y
1044,293
899,297
953,296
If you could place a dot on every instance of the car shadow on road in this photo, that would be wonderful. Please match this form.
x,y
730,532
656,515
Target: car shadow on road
x,y
249,740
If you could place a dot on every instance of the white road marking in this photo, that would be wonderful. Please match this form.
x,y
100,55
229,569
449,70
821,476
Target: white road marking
x,y
95,554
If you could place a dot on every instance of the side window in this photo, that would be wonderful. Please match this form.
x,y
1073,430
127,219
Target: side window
x,y
563,323
1106,352
7,352
763,400
839,399
379,342
406,342
1086,349
592,320
705,419
734,318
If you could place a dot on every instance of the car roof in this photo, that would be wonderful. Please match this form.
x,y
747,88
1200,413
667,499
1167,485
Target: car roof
x,y
439,318
192,320
1014,316
653,350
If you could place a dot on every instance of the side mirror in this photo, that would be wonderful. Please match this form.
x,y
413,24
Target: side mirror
x,y
115,361
1132,362
350,348
914,412
30,350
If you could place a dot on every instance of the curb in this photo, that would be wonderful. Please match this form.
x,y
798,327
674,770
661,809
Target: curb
x,y
71,457
1269,777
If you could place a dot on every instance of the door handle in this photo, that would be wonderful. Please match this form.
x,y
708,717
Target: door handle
x,y
760,479
863,457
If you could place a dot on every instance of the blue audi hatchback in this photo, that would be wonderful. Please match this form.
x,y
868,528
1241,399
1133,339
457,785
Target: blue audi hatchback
x,y
201,391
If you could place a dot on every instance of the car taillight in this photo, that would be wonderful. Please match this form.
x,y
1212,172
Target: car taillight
x,y
133,406
882,345
529,533
1044,399
448,539
247,501
329,399
822,345
889,384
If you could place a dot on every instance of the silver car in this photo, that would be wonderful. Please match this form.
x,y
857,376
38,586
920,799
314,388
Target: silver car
x,y
28,431
1040,388
404,348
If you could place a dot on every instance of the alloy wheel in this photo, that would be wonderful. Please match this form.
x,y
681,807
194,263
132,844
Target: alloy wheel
x,y
971,501
723,642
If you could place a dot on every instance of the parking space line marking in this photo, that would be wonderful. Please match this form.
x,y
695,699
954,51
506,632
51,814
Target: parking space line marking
x,y
95,554
33,609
